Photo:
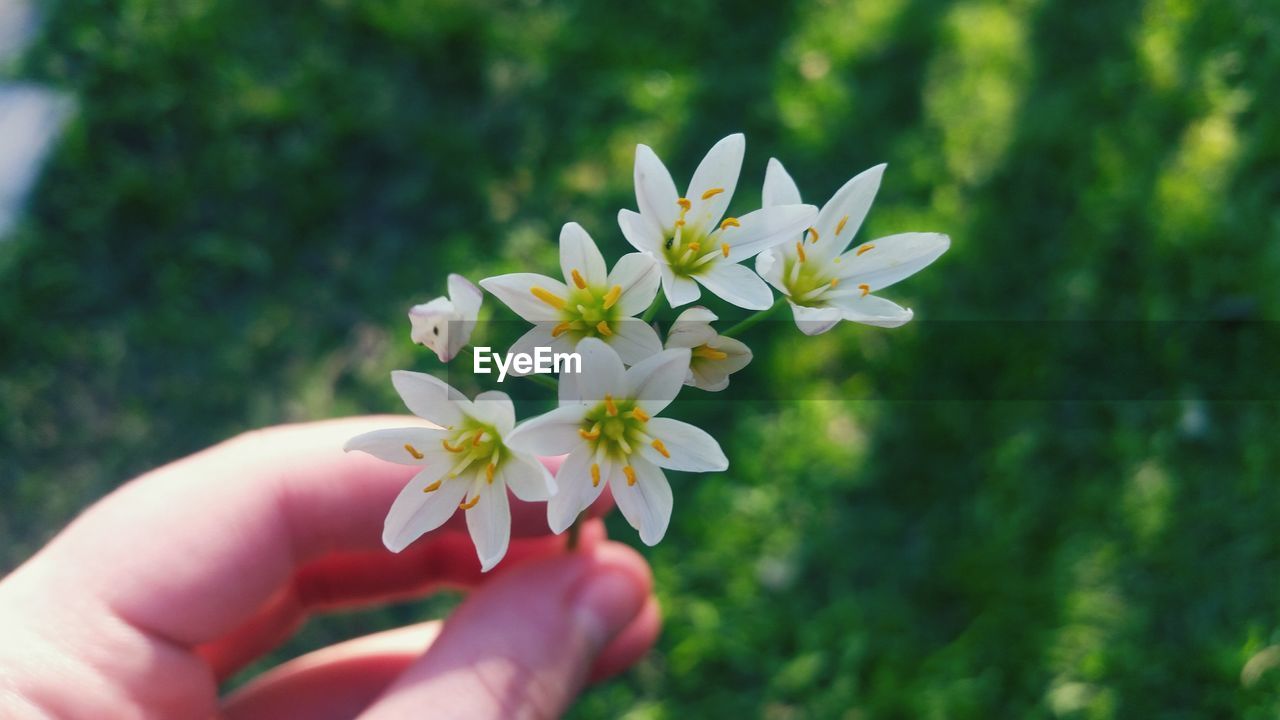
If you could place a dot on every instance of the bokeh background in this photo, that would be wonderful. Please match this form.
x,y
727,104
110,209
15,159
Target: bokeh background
x,y
1053,495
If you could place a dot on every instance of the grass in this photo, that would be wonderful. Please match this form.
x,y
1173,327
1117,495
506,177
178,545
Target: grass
x,y
1052,495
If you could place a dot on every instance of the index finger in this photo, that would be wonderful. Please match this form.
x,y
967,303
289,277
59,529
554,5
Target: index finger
x,y
191,549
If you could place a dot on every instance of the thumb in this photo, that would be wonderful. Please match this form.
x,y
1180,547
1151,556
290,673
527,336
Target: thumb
x,y
522,646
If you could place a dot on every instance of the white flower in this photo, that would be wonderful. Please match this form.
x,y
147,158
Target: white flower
x,y
690,236
606,424
824,283
445,324
591,302
465,464
713,358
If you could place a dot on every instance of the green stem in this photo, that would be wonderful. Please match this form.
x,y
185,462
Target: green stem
x,y
751,320
571,543
656,305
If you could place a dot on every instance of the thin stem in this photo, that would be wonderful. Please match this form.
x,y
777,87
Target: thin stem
x,y
652,312
571,543
751,320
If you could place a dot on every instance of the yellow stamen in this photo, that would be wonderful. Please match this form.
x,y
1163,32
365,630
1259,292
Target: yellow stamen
x,y
489,470
657,445
863,249
800,250
724,249
612,296
865,288
577,279
631,475
432,487
475,442
470,503
684,203
609,407
730,222
451,448
413,451
602,327
695,247
712,193
814,232
547,297
595,475
680,223
840,225
709,353
588,435
560,329
639,414
835,282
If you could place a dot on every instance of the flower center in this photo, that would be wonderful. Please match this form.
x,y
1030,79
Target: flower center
x,y
691,249
588,311
616,429
474,446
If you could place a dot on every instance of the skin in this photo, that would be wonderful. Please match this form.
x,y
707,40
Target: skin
x,y
181,577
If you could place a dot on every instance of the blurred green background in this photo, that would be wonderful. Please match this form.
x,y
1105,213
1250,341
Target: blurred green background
x,y
251,194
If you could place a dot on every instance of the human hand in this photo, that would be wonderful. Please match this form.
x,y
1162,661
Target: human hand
x,y
182,577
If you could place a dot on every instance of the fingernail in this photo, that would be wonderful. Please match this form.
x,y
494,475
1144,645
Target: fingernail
x,y
604,602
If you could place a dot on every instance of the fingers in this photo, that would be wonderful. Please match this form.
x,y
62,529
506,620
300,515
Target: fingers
x,y
207,542
340,681
523,645
337,682
347,579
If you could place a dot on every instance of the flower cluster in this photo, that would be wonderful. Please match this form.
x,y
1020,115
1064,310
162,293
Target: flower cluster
x,y
607,422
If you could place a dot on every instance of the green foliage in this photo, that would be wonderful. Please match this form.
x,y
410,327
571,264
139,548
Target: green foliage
x,y
970,518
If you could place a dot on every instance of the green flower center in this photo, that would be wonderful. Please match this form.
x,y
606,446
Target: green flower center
x,y
616,429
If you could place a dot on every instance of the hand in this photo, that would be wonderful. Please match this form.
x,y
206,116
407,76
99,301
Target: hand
x,y
177,580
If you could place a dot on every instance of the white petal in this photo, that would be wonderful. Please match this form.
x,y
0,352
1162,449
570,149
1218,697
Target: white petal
x,y
430,325
415,512
691,449
815,320
717,176
493,407
390,445
466,297
764,228
489,522
680,289
853,200
655,381
872,310
779,188
638,276
602,374
575,491
656,193
552,433
891,259
736,284
641,231
647,504
739,354
515,291
528,479
709,376
429,397
634,340
770,265
579,252
691,328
